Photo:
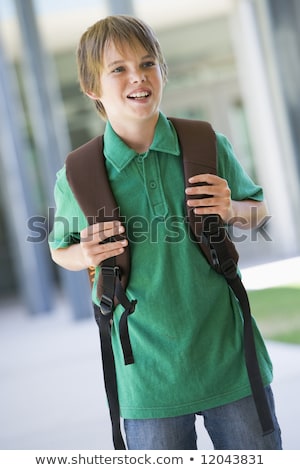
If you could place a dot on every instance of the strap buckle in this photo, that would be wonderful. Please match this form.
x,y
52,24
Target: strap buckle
x,y
107,298
110,271
106,305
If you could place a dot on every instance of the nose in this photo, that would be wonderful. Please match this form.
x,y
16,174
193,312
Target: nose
x,y
137,76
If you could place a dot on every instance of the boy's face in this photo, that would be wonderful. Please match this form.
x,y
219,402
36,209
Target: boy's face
x,y
131,84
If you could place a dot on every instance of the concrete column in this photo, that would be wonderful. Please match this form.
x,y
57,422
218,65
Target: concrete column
x,y
270,159
50,134
283,27
31,261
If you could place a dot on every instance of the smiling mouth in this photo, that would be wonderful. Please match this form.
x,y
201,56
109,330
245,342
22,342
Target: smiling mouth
x,y
139,96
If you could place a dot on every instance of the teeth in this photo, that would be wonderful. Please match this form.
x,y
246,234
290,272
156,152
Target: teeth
x,y
141,94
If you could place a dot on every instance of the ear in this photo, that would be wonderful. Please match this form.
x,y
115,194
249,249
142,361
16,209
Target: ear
x,y
92,95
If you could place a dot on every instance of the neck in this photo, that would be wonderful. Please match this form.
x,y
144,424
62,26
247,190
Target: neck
x,y
138,135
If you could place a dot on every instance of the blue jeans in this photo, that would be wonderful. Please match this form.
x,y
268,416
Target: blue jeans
x,y
232,426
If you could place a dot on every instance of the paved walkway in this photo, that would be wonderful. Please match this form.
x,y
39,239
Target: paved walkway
x,y
51,394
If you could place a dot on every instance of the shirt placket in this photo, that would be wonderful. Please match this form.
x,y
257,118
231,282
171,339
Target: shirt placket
x,y
153,185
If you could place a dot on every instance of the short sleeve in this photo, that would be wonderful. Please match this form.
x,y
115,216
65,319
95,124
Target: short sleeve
x,y
69,220
229,168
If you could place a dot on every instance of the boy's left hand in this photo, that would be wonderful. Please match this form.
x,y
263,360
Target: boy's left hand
x,y
217,194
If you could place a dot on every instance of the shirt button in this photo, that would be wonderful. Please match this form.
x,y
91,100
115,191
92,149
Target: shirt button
x,y
140,159
153,184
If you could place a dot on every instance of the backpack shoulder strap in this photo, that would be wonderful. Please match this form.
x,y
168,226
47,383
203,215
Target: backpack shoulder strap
x,y
86,173
198,144
88,179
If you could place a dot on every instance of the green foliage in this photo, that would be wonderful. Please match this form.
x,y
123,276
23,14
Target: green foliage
x,y
277,312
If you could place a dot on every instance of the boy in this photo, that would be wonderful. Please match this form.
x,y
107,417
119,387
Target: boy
x,y
189,355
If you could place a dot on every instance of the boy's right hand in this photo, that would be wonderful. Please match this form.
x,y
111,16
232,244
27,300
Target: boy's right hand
x,y
95,244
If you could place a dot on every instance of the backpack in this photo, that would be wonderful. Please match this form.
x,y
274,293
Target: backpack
x,y
88,179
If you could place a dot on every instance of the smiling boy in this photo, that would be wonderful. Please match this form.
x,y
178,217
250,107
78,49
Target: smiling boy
x,y
189,356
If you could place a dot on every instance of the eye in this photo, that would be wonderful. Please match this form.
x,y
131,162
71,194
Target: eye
x,y
118,69
149,63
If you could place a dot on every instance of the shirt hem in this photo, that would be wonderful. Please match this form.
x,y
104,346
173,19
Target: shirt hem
x,y
188,408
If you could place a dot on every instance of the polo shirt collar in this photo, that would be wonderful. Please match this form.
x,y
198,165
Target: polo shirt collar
x,y
120,155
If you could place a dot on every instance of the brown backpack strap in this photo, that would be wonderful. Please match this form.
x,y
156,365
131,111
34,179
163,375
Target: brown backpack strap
x,y
198,144
88,179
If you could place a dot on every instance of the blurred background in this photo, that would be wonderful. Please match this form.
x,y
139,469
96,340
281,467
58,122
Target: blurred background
x,y
235,63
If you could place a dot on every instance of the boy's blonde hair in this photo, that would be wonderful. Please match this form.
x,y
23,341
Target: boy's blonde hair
x,y
120,30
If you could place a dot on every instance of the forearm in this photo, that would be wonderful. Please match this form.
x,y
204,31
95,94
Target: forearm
x,y
91,251
248,214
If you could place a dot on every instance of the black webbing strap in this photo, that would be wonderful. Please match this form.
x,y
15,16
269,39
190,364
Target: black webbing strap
x,y
109,272
129,307
215,232
112,289
255,379
109,374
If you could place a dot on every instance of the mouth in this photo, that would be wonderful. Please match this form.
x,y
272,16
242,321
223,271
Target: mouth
x,y
139,95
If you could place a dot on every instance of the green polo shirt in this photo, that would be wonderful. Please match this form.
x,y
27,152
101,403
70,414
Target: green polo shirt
x,y
187,329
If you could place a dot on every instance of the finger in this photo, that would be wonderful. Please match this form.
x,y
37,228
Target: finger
x,y
100,226
204,178
107,251
110,233
211,210
111,249
99,232
202,190
203,202
219,190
